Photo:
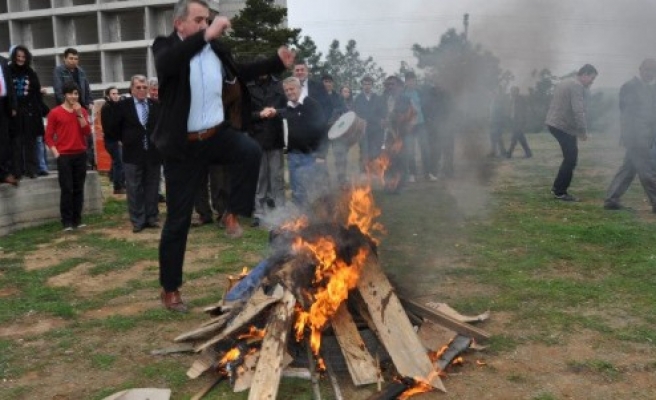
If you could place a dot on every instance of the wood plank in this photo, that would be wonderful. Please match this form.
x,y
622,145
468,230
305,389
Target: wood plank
x,y
206,360
393,327
256,304
448,310
269,366
209,386
360,363
445,320
245,376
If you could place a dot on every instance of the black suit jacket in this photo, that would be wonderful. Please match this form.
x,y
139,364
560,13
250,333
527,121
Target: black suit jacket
x,y
172,58
121,122
318,92
10,100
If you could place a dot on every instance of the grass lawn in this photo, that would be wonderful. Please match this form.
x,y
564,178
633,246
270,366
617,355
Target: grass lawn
x,y
571,288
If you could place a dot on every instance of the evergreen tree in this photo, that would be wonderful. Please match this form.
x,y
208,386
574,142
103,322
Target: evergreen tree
x,y
258,29
348,67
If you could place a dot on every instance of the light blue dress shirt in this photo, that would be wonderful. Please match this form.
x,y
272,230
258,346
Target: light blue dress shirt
x,y
206,81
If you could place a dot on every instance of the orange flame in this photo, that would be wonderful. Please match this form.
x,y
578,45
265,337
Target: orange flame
x,y
296,224
252,333
231,355
363,212
321,364
422,385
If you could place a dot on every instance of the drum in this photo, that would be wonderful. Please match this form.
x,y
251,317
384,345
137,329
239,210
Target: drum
x,y
348,128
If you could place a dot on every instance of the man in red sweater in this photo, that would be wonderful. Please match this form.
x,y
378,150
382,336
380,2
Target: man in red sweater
x,y
66,136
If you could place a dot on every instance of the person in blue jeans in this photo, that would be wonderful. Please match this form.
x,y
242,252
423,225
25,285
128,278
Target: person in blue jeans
x,y
306,141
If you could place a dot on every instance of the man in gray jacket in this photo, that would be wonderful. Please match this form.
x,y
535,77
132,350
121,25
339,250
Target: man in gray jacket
x,y
566,122
638,128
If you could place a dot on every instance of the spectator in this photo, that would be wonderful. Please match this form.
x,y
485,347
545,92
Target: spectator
x,y
518,117
266,91
347,98
27,125
131,121
7,111
340,147
66,133
306,147
153,89
71,71
566,122
638,126
314,89
112,144
195,130
369,106
418,135
398,125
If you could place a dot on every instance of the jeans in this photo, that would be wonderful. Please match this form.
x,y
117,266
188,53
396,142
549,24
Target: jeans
x,y
569,146
307,179
41,154
118,174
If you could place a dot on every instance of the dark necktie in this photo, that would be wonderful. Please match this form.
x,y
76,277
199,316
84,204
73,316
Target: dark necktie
x,y
143,116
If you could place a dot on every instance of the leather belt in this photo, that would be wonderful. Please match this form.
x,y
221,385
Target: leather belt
x,y
204,134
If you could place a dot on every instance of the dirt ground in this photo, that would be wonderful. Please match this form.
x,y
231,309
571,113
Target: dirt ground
x,y
529,371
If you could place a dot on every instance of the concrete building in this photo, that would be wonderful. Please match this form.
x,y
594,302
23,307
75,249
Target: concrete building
x,y
112,36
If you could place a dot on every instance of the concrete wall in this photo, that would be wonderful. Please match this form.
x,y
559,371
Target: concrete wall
x,y
36,202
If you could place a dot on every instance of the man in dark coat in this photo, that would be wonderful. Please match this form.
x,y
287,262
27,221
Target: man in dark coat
x,y
8,108
266,91
131,122
369,106
518,116
638,125
205,104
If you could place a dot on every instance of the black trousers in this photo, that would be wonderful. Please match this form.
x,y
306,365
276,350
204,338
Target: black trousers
x,y
518,136
569,147
5,142
228,147
72,172
142,184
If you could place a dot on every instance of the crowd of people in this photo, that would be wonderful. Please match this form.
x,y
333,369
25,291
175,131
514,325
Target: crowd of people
x,y
216,132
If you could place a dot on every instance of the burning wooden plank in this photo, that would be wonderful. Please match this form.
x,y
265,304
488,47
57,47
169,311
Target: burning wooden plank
x,y
269,366
360,363
393,326
255,305
445,320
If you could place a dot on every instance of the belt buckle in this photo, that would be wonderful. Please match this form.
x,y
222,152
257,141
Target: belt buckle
x,y
201,133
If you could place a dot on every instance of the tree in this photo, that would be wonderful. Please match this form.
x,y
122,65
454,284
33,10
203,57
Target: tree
x,y
348,68
257,29
467,72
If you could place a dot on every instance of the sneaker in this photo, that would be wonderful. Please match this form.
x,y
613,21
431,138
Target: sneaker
x,y
80,226
412,179
68,229
432,178
566,197
43,173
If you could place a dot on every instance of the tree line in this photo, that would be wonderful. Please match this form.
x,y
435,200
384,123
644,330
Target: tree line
x,y
467,72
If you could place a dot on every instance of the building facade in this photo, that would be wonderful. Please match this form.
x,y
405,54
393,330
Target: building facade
x,y
112,36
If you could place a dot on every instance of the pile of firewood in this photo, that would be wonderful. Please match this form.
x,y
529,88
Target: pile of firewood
x,y
323,277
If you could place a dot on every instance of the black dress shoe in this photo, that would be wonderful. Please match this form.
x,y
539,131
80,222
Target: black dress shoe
x,y
137,229
43,173
153,225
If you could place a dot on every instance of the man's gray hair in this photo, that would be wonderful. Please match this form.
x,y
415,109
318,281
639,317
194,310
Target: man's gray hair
x,y
181,9
292,80
137,78
153,82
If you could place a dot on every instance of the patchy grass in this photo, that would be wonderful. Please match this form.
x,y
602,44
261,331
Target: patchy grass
x,y
570,288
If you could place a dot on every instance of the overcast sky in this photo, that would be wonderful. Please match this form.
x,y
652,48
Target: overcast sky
x,y
561,35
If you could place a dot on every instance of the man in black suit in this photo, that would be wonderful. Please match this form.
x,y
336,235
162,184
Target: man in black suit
x,y
205,105
131,122
313,89
8,108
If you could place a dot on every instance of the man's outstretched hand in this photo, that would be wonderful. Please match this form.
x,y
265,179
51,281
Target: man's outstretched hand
x,y
287,56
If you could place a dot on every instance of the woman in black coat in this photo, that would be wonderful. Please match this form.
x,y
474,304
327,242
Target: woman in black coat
x,y
27,125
